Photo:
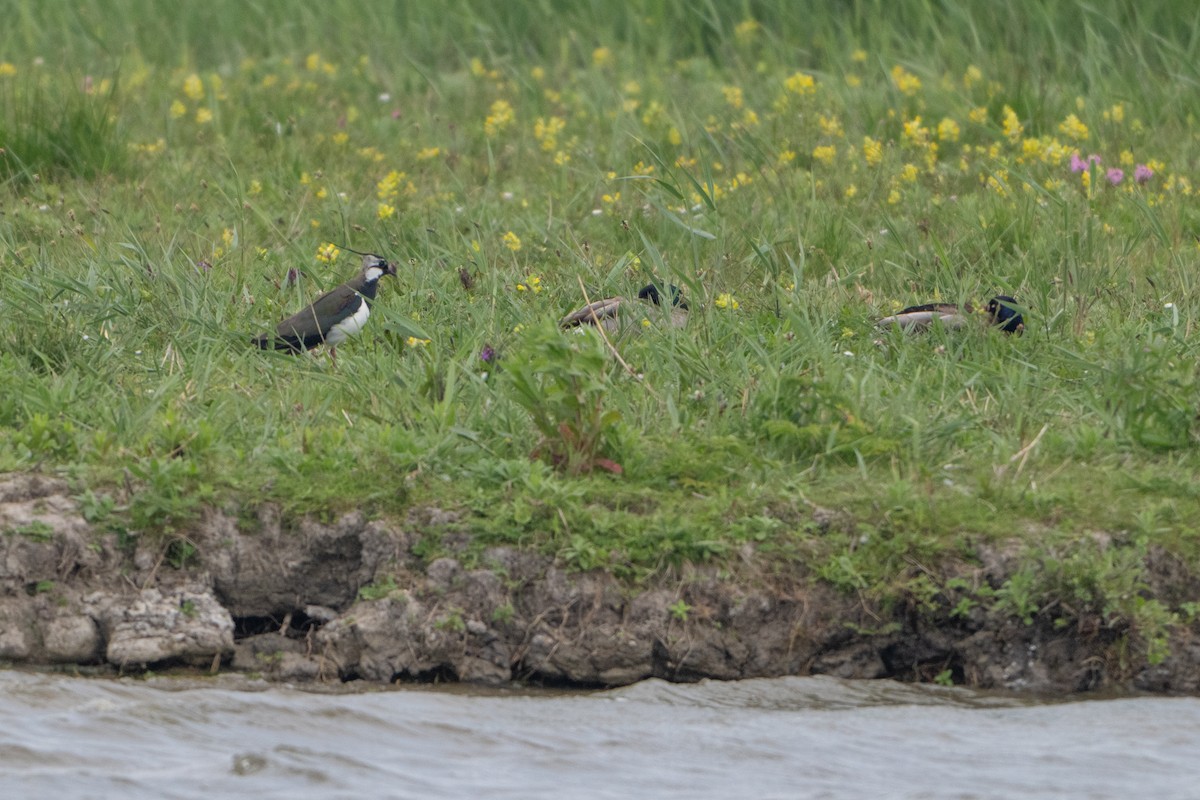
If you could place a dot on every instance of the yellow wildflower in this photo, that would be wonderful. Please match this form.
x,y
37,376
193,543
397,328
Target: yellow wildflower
x,y
156,146
948,130
1072,128
500,117
203,116
531,284
511,241
426,153
872,151
389,186
859,56
1012,125
385,211
999,182
726,300
314,63
830,126
746,30
7,69
546,132
972,76
909,173
825,154
218,86
654,115
602,57
178,109
915,133
327,253
1115,114
413,341
801,84
193,87
733,96
905,81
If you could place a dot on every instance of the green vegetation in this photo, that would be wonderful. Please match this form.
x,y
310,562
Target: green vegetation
x,y
169,181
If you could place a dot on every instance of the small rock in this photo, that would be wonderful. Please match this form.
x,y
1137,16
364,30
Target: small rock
x,y
72,639
182,625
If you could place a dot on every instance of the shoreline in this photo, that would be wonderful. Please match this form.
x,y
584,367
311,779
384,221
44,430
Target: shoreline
x,y
303,601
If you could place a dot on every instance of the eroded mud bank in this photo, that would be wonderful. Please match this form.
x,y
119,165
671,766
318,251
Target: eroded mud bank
x,y
284,599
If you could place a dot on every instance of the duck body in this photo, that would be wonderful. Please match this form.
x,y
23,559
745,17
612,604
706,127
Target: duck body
x,y
334,316
1001,312
616,313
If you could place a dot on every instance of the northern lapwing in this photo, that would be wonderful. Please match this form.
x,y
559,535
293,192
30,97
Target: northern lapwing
x,y
1002,312
334,316
615,313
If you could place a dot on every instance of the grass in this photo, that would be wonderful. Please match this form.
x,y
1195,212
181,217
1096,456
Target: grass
x,y
796,174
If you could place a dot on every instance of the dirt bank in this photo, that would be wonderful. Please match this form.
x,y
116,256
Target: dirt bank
x,y
284,598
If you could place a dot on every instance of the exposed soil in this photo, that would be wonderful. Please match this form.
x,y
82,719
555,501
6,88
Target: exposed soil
x,y
282,598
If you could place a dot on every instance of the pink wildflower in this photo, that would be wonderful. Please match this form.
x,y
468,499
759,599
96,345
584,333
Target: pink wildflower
x,y
1079,164
1115,176
1142,173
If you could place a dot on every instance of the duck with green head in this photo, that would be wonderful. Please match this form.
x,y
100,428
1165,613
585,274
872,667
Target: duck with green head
x,y
1002,312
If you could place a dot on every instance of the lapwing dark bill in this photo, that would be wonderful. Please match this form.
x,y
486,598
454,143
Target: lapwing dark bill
x,y
334,316
614,313
1002,312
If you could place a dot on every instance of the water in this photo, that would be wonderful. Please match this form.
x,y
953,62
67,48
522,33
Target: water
x,y
783,738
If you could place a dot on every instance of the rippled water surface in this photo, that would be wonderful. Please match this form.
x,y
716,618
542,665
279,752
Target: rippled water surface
x,y
783,738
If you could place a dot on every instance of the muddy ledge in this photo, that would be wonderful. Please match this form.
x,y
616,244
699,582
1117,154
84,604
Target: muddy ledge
x,y
283,600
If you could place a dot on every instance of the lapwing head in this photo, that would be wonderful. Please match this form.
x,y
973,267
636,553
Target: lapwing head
x,y
1003,311
375,267
652,293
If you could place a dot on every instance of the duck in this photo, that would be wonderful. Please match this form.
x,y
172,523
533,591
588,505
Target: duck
x,y
334,316
1002,312
614,313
